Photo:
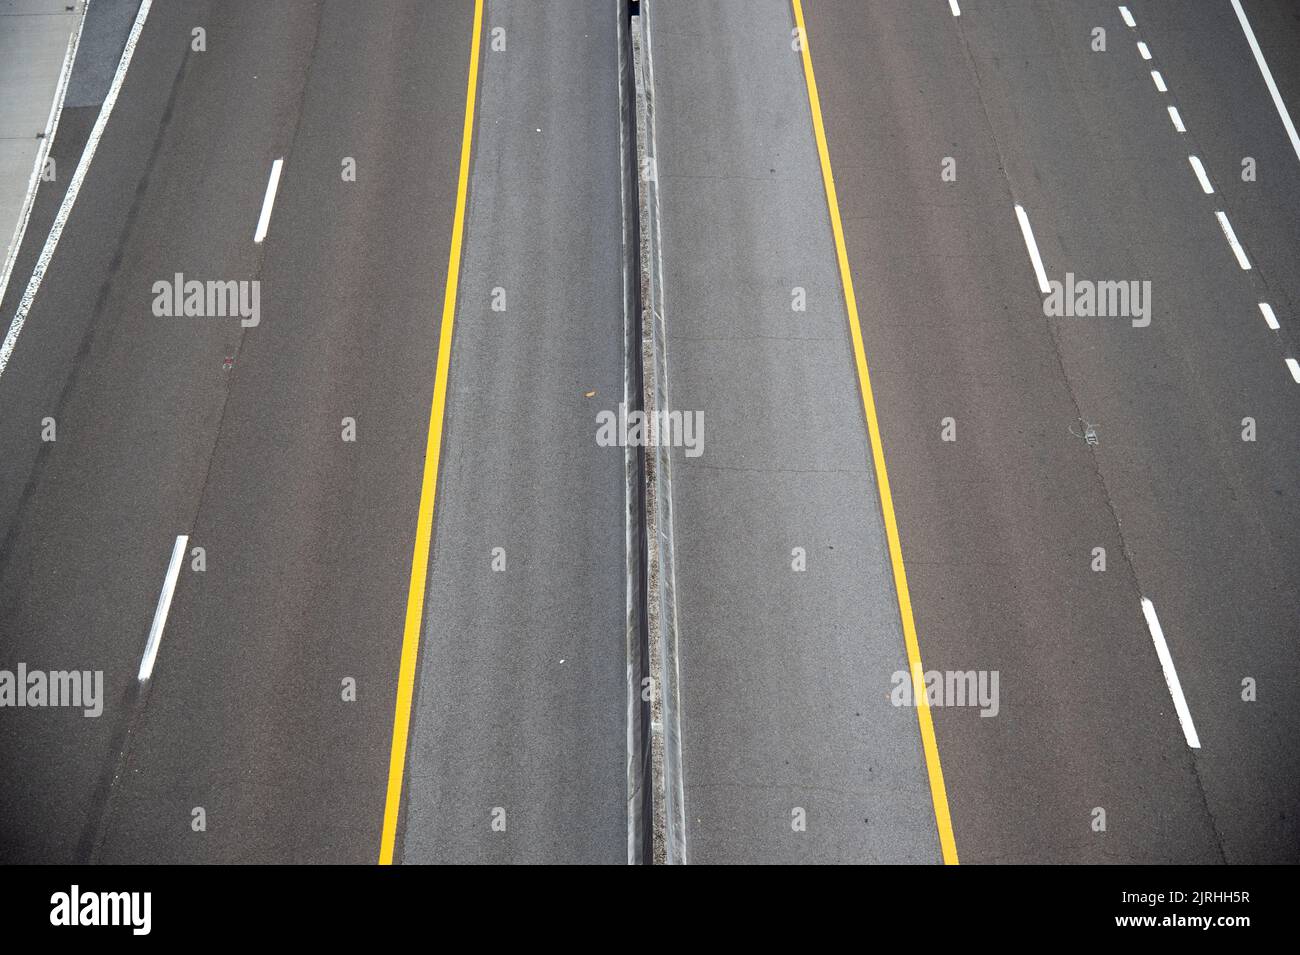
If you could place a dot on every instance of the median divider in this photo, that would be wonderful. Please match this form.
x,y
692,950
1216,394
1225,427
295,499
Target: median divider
x,y
668,820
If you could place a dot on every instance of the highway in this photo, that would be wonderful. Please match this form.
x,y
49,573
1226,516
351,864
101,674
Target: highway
x,y
307,537
999,526
364,581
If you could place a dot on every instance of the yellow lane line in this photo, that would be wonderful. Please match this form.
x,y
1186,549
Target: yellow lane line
x,y
429,485
938,792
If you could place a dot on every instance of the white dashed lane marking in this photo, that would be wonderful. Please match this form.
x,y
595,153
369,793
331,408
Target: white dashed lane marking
x,y
1171,675
268,203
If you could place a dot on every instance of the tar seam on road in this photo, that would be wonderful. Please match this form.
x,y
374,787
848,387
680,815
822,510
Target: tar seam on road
x,y
429,483
938,792
74,187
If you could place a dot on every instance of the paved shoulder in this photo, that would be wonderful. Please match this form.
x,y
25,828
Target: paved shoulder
x,y
790,634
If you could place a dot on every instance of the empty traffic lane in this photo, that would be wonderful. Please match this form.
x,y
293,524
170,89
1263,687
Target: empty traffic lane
x,y
518,747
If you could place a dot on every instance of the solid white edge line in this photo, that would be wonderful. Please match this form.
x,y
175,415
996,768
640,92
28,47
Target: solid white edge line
x,y
42,153
1142,48
1267,311
1268,77
164,606
1176,119
1159,81
1128,17
1295,369
268,201
1231,236
1200,174
1028,233
74,187
1171,675
956,10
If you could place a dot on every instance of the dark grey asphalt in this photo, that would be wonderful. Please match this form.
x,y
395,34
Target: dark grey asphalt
x,y
998,528
522,692
308,539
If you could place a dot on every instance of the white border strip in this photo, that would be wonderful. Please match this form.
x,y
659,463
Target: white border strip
x,y
1267,311
164,607
1200,174
74,187
1268,77
1128,17
1231,236
43,152
1171,675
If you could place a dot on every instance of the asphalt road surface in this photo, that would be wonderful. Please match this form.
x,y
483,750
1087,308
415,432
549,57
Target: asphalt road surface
x,y
999,526
307,538
522,694
785,672
1091,517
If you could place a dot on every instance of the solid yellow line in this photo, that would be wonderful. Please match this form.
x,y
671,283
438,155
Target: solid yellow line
x,y
938,793
429,485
